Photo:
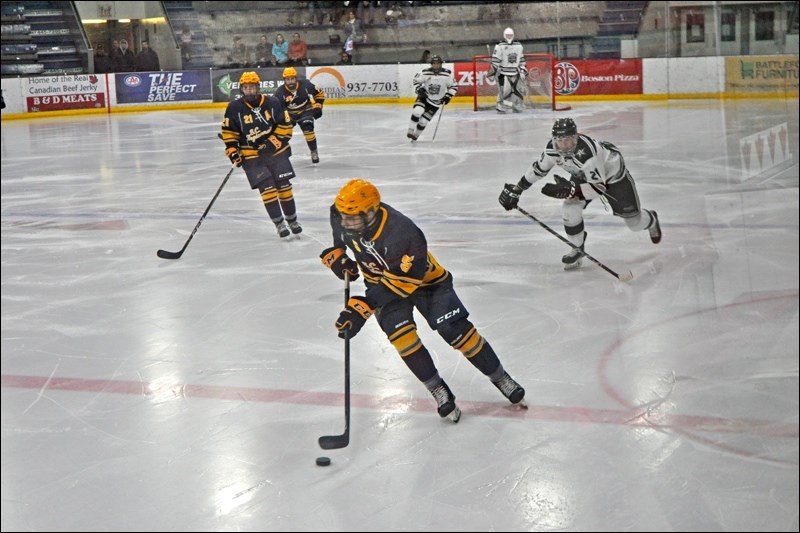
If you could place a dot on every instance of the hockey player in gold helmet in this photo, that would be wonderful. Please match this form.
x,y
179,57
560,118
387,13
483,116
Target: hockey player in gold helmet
x,y
401,275
256,131
304,101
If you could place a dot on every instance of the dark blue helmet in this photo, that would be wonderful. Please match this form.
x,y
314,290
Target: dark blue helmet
x,y
565,136
564,127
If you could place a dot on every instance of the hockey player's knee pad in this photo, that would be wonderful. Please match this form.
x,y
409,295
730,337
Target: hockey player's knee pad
x,y
405,340
270,194
418,110
572,212
462,336
284,190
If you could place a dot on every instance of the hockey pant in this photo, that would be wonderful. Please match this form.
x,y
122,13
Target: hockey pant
x,y
624,201
421,115
442,309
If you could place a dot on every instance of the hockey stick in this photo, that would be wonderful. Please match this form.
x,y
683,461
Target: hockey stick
x,y
332,442
441,111
164,254
625,276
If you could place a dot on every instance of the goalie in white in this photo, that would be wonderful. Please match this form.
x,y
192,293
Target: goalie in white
x,y
510,70
435,86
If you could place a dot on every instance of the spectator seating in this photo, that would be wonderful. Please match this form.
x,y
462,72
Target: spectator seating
x,y
455,31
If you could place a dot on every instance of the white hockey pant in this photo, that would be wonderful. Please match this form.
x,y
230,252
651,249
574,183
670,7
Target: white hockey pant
x,y
420,116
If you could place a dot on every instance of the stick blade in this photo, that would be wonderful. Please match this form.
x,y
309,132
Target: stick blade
x,y
626,276
333,442
164,254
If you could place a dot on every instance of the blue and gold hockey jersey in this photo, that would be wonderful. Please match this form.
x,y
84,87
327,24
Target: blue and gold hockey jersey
x,y
395,260
252,129
301,99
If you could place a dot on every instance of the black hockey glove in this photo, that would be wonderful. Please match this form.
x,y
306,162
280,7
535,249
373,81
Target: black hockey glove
x,y
337,260
510,196
318,112
421,92
234,155
446,99
563,188
353,317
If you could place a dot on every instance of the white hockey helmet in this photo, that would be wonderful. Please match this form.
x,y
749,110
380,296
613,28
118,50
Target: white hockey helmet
x,y
508,35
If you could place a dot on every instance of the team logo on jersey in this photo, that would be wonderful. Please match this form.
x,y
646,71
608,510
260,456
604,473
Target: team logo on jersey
x,y
405,263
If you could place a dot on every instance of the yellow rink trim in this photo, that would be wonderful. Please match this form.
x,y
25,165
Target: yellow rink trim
x,y
411,100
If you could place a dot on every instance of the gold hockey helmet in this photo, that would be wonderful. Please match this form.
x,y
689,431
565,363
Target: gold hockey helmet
x,y
357,196
249,77
289,72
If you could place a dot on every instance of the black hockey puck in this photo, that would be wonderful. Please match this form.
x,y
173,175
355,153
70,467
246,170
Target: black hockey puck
x,y
323,461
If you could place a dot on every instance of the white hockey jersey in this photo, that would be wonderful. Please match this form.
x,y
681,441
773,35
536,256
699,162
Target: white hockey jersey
x,y
599,162
508,58
436,84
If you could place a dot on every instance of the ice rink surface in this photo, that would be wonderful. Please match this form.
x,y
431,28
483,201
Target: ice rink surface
x,y
142,394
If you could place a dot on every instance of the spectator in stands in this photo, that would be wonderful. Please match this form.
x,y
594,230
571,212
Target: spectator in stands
x,y
281,49
316,13
334,12
365,12
353,30
345,59
298,51
263,51
186,43
297,15
102,63
354,34
125,61
147,59
393,14
115,52
426,57
239,56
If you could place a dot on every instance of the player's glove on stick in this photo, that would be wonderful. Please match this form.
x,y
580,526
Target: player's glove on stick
x,y
509,198
337,260
234,155
353,317
317,111
563,188
446,99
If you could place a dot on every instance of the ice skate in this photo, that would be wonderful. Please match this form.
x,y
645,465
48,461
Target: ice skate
x,y
655,229
512,390
283,229
575,257
446,402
